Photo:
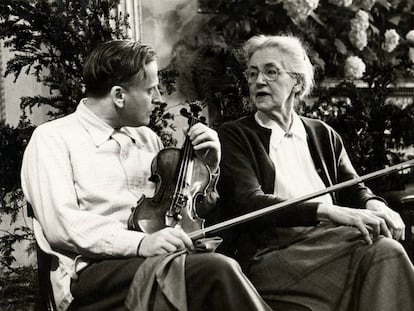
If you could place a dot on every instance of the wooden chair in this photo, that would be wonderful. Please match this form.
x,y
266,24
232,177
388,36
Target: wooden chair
x,y
44,263
407,213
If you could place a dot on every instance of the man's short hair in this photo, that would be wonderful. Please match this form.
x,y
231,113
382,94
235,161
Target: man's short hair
x,y
116,62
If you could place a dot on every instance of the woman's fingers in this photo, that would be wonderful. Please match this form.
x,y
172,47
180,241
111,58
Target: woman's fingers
x,y
363,229
393,219
393,225
368,222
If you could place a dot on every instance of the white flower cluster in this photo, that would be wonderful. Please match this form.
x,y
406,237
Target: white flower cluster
x,y
410,38
354,67
358,39
344,3
411,54
360,21
300,9
391,40
358,33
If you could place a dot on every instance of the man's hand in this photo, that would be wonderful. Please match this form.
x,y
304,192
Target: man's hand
x,y
396,224
206,144
165,241
366,221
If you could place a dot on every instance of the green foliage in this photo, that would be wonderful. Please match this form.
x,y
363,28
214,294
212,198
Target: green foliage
x,y
51,39
17,284
13,140
374,135
162,121
19,290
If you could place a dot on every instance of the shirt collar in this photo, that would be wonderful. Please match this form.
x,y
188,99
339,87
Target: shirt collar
x,y
96,127
297,128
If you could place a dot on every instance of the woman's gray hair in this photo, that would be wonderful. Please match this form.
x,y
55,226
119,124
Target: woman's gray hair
x,y
297,59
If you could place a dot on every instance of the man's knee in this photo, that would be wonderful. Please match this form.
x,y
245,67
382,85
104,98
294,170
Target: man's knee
x,y
213,266
221,264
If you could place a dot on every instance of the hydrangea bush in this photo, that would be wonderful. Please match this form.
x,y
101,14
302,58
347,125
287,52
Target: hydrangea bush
x,y
361,49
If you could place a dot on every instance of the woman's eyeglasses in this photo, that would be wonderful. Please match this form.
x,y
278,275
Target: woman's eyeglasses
x,y
270,73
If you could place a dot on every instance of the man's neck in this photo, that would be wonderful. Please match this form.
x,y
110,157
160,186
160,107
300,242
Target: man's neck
x,y
104,109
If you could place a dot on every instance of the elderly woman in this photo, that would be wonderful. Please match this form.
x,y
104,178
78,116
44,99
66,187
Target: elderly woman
x,y
335,252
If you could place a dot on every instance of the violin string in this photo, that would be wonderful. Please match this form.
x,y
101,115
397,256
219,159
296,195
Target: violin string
x,y
189,157
180,173
186,156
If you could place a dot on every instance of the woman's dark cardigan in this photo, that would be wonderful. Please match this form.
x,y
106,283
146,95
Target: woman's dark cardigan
x,y
247,182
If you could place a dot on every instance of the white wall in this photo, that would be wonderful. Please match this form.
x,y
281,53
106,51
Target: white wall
x,y
163,23
13,91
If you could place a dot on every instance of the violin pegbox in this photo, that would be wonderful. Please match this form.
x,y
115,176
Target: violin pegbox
x,y
194,114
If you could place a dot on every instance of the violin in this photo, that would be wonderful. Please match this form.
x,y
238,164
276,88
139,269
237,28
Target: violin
x,y
182,180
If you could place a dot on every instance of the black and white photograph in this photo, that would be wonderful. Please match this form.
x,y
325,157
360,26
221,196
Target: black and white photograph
x,y
207,155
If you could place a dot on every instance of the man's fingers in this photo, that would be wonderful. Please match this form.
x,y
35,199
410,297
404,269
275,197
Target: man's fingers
x,y
164,241
180,234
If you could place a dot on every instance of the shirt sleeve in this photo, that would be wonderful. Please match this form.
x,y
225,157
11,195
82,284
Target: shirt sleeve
x,y
47,182
356,195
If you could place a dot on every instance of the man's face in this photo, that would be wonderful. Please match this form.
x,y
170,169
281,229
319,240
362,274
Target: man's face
x,y
139,98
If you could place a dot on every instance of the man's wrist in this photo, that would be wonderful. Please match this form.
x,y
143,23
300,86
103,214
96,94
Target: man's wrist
x,y
139,247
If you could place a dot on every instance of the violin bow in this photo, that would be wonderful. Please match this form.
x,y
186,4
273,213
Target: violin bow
x,y
195,235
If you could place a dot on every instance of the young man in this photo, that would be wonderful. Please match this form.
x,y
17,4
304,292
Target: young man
x,y
83,173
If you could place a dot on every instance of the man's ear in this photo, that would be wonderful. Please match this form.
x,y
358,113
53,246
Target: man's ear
x,y
118,96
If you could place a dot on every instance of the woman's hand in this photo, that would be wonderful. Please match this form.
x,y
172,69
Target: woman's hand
x,y
368,222
396,224
206,144
167,240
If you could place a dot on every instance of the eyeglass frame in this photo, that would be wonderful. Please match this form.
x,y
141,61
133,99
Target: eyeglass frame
x,y
265,76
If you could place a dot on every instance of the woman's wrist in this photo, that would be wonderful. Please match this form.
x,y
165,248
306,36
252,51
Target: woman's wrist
x,y
323,212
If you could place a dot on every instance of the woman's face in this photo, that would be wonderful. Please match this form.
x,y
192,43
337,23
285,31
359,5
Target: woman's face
x,y
276,96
